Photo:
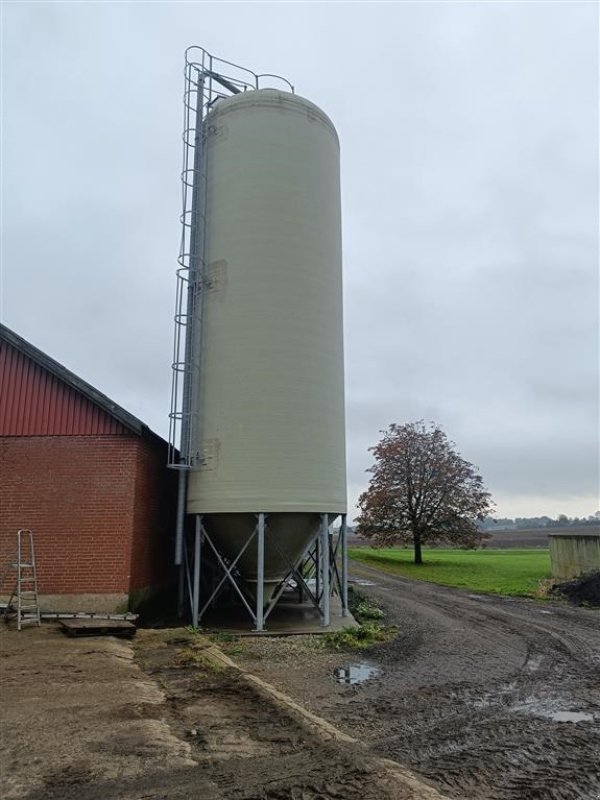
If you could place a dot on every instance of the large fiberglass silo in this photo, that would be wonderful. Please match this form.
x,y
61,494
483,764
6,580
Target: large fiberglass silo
x,y
263,437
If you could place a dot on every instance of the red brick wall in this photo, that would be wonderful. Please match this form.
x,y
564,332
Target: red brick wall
x,y
75,493
100,508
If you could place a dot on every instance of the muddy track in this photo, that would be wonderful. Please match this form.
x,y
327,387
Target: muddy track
x,y
167,718
249,748
489,698
484,698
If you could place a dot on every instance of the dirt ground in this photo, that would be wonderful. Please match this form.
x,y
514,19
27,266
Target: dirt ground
x,y
487,698
98,718
483,698
79,713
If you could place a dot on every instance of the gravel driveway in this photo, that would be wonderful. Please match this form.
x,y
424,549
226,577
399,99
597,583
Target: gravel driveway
x,y
490,698
484,698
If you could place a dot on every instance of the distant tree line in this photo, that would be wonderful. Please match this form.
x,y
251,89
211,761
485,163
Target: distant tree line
x,y
528,523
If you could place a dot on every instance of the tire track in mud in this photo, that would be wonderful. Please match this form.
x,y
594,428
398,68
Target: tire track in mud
x,y
475,692
484,611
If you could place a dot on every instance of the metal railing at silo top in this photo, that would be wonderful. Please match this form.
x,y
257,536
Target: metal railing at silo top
x,y
207,80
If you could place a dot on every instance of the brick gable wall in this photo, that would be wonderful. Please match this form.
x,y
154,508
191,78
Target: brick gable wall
x,y
76,494
95,492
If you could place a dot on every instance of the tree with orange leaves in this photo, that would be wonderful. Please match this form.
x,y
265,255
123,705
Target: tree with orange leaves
x,y
422,491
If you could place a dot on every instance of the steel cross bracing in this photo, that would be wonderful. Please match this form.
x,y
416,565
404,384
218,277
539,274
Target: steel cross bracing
x,y
311,566
325,562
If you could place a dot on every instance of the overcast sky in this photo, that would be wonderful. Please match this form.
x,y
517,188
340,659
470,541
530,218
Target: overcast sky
x,y
470,211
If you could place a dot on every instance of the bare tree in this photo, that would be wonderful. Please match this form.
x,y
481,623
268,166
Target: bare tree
x,y
422,491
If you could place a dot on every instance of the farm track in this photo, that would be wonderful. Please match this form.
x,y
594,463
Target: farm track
x,y
471,697
91,720
473,691
578,631
250,746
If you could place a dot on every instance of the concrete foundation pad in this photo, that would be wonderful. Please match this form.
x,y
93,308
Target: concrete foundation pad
x,y
76,603
288,618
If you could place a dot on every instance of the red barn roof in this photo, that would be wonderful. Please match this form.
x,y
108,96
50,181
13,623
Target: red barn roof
x,y
40,397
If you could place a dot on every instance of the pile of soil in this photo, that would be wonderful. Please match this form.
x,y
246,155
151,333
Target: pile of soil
x,y
584,590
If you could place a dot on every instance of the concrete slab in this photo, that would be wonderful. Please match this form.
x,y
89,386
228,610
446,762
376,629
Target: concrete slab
x,y
288,618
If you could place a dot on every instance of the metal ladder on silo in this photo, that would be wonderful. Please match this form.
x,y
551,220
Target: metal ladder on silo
x,y
25,592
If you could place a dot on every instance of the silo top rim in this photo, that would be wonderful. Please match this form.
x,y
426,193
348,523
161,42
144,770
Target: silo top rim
x,y
272,98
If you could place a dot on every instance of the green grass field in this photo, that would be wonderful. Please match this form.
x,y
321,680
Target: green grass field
x,y
510,571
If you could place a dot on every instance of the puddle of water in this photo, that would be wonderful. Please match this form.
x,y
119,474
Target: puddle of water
x,y
547,708
541,709
544,611
362,582
356,673
572,716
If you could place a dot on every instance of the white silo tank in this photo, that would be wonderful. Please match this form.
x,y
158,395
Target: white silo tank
x,y
268,417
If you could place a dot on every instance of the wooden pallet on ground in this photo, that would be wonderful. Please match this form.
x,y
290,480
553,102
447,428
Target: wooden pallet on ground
x,y
98,627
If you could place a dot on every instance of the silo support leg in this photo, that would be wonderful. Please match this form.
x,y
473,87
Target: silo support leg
x,y
180,590
197,564
324,570
260,573
344,543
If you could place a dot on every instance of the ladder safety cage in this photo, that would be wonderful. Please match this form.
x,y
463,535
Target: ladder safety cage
x,y
207,80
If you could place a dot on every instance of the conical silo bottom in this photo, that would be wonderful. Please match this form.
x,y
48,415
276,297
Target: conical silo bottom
x,y
287,537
